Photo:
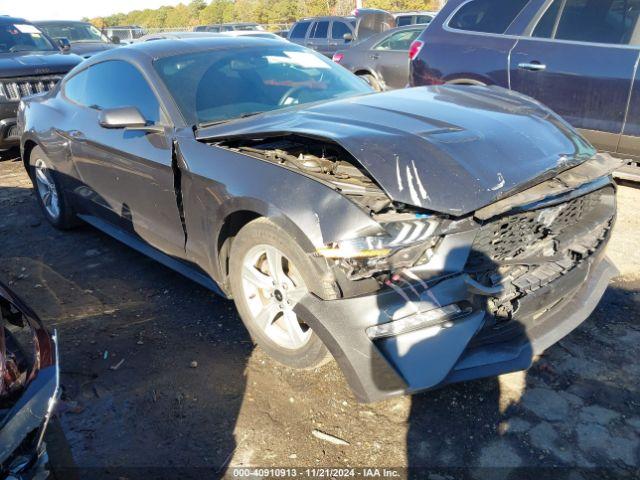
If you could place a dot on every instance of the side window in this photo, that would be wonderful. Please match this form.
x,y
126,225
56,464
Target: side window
x,y
300,30
339,29
404,20
320,29
398,41
75,88
423,19
114,84
487,16
612,21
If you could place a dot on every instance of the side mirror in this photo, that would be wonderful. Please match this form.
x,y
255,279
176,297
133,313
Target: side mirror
x,y
128,118
348,37
115,39
64,45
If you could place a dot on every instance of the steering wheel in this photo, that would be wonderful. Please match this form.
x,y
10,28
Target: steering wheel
x,y
290,94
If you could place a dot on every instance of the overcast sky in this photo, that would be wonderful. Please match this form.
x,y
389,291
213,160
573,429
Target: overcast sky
x,y
75,9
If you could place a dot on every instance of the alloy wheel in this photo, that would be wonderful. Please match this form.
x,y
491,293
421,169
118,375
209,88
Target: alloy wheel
x,y
47,189
272,287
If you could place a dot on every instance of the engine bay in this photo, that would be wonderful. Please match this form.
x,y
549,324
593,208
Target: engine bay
x,y
320,159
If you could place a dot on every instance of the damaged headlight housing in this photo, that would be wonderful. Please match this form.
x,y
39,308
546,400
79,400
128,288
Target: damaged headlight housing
x,y
408,237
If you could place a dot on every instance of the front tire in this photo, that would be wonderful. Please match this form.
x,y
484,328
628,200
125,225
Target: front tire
x,y
51,197
371,80
269,274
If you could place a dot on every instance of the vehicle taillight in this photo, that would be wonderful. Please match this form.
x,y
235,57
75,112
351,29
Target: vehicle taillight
x,y
337,57
415,48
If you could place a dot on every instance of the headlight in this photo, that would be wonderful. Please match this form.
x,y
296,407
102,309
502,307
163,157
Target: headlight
x,y
406,231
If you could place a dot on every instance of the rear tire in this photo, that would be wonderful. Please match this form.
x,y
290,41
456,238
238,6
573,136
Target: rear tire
x,y
51,197
269,273
371,80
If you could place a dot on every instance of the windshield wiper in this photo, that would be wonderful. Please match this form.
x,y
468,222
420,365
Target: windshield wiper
x,y
226,120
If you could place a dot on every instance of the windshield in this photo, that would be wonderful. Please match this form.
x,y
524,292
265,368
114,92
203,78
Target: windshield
x,y
75,32
23,38
220,85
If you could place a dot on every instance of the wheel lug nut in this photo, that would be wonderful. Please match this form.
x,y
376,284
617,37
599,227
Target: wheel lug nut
x,y
281,306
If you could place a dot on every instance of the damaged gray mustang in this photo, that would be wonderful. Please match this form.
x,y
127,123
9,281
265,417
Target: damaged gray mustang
x,y
421,237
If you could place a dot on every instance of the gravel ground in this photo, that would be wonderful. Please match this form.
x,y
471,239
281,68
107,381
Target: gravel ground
x,y
158,373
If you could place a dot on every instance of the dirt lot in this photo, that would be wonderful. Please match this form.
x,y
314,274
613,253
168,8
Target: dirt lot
x,y
191,394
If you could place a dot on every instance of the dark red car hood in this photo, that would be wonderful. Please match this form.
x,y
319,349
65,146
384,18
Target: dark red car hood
x,y
449,149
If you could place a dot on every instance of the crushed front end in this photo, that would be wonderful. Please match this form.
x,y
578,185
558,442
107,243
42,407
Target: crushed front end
x,y
469,297
29,389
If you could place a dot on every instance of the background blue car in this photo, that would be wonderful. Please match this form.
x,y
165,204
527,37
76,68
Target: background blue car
x,y
579,57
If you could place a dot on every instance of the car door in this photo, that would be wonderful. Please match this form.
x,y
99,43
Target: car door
x,y
318,38
390,57
127,176
337,41
579,61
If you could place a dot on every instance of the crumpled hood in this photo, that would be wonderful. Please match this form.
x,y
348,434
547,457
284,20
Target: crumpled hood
x,y
449,149
36,63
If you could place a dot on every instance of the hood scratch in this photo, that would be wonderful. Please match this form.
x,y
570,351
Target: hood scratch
x,y
423,191
398,174
500,183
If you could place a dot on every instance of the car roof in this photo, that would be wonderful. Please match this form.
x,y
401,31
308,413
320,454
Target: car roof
x,y
60,22
6,19
414,12
327,17
177,35
178,46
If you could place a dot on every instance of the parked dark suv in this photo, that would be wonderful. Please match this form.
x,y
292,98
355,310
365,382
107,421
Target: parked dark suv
x,y
579,57
327,35
29,63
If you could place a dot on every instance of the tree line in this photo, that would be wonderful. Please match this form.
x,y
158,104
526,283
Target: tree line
x,y
199,12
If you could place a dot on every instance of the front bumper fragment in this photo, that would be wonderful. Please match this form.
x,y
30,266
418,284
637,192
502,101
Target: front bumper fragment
x,y
442,354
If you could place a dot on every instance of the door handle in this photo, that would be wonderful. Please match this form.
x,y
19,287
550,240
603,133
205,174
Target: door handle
x,y
533,66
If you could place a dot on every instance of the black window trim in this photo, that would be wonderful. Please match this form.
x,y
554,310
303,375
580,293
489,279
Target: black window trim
x,y
165,119
448,27
526,34
306,32
634,42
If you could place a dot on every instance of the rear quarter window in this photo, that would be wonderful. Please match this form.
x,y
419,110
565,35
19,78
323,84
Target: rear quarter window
x,y
300,30
612,22
487,16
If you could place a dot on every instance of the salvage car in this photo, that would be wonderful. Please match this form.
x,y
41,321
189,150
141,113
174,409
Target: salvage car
x,y
29,389
84,39
29,63
381,60
578,57
422,236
